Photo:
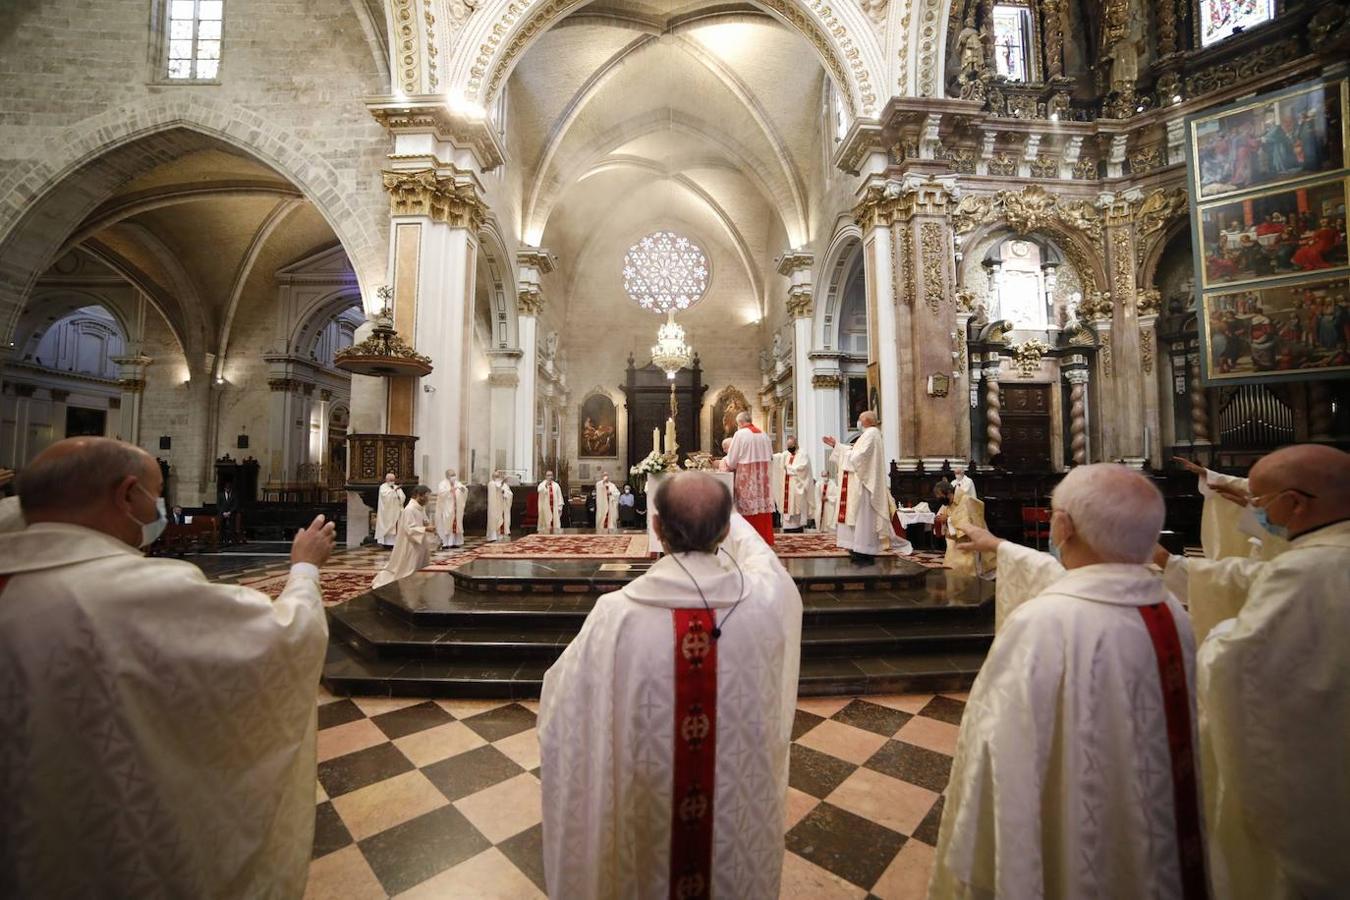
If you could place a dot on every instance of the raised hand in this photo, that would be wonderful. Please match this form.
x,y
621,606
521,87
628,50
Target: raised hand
x,y
977,540
829,441
1193,468
315,543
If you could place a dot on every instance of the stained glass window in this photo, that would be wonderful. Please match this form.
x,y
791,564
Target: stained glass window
x,y
1218,18
194,39
1012,40
665,272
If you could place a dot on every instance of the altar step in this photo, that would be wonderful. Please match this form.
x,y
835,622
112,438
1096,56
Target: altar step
x,y
433,635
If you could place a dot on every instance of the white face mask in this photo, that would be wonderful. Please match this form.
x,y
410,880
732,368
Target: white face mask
x,y
150,531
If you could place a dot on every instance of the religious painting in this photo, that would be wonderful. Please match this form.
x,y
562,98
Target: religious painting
x,y
1277,138
1270,333
597,435
1275,234
874,388
728,403
1223,18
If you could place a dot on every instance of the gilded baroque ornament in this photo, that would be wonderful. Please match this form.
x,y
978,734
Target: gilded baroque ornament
x,y
1159,207
935,283
799,304
1146,348
1027,356
1002,164
1031,209
1123,260
1096,306
426,193
1149,302
907,261
407,45
828,382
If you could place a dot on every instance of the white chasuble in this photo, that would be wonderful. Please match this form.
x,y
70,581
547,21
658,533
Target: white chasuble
x,y
793,488
863,521
550,507
11,515
829,504
450,497
608,733
156,730
606,507
499,510
1274,697
388,510
412,548
1062,785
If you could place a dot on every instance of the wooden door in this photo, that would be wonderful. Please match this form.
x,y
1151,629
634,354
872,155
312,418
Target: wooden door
x,y
1026,427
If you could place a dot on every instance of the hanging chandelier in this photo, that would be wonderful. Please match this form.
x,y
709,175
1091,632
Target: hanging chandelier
x,y
670,353
665,272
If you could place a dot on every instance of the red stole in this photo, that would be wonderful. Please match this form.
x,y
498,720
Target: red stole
x,y
787,480
843,499
1162,630
753,429
691,808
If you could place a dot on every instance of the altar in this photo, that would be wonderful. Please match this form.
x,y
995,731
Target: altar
x,y
727,478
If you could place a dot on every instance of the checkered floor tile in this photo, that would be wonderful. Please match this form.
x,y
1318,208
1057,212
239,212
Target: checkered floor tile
x,y
441,798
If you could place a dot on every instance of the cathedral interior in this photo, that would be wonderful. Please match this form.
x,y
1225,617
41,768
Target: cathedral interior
x,y
292,245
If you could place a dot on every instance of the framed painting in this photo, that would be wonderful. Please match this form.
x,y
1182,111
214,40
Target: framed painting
x,y
723,418
1280,137
874,389
1279,233
596,427
1276,332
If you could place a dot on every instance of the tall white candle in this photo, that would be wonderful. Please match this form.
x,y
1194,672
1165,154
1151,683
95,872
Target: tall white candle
x,y
671,446
656,440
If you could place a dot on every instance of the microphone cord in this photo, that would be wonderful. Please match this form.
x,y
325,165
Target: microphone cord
x,y
740,593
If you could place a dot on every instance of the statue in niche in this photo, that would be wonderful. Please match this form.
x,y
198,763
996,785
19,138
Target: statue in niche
x,y
777,346
550,350
1071,310
970,48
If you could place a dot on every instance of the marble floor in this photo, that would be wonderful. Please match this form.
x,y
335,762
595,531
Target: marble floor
x,y
441,798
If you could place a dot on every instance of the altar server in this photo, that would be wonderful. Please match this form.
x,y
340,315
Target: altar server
x,y
863,522
499,507
793,487
416,539
676,702
606,505
550,505
451,495
961,483
749,457
1274,692
388,510
157,730
1074,773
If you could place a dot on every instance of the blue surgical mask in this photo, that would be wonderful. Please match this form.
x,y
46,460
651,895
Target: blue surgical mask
x,y
1263,520
150,531
1054,551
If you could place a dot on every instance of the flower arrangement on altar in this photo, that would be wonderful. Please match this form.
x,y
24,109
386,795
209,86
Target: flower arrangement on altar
x,y
655,463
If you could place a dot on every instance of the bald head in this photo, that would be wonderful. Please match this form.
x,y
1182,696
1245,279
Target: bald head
x,y
101,483
695,513
1106,513
867,418
1304,486
743,417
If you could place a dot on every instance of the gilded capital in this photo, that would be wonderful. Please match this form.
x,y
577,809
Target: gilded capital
x,y
831,382
799,303
426,192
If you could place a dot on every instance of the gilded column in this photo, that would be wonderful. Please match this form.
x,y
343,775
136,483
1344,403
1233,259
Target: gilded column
x,y
1122,406
131,380
1147,304
796,266
1199,405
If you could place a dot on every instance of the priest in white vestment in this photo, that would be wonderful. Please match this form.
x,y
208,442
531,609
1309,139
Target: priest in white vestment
x,y
388,510
962,483
1074,773
793,487
416,540
451,495
829,503
710,638
606,505
749,457
157,730
863,523
1274,692
499,507
550,505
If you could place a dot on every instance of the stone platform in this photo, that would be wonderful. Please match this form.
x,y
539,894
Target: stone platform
x,y
493,627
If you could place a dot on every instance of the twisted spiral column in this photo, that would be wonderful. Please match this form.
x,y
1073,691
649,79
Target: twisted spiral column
x,y
1078,441
1320,420
1199,407
993,428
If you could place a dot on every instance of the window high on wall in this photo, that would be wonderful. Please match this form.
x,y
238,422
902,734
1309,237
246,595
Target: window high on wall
x,y
1012,41
193,44
1218,18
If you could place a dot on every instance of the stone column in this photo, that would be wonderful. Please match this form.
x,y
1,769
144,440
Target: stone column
x,y
993,404
131,379
436,211
58,413
23,409
1077,376
1097,308
503,389
1123,407
1148,304
875,214
533,264
826,387
796,266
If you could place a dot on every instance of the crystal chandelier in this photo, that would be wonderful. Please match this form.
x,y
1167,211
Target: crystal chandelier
x,y
670,353
665,272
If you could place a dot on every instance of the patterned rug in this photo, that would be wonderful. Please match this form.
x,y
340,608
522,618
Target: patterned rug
x,y
568,546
